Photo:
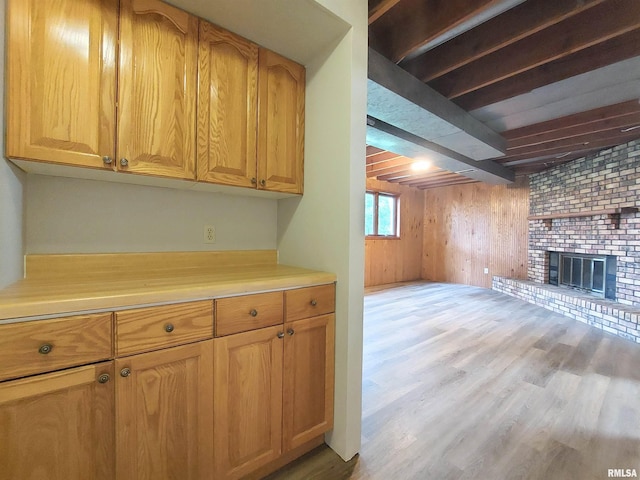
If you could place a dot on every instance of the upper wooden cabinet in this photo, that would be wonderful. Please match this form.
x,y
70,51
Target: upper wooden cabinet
x,y
157,89
227,107
61,81
281,123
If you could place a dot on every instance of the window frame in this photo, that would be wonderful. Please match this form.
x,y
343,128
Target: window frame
x,y
376,202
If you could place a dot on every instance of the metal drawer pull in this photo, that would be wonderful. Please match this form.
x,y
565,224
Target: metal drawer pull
x,y
313,303
280,334
291,331
107,160
124,162
125,372
169,328
45,349
104,378
253,312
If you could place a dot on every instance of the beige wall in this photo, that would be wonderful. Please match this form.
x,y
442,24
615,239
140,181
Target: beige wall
x,y
388,261
66,215
468,228
325,228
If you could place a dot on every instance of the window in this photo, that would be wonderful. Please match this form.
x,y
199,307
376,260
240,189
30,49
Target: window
x,y
381,215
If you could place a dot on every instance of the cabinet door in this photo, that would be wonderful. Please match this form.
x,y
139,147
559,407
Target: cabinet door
x,y
61,81
248,401
281,123
308,379
58,426
157,89
163,414
227,107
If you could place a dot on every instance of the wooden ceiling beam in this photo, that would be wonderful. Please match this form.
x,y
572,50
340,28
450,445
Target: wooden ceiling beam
x,y
445,183
402,30
615,50
378,8
432,178
403,164
593,26
578,133
589,120
571,143
373,150
381,157
515,24
599,144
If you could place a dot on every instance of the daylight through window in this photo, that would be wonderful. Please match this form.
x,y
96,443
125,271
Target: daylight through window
x,y
381,215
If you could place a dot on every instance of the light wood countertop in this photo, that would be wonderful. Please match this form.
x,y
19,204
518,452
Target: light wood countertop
x,y
65,284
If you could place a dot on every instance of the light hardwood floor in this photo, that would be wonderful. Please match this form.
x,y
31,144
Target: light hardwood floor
x,y
466,383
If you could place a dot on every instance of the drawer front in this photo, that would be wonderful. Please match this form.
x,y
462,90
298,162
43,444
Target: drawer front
x,y
248,312
152,328
46,345
309,302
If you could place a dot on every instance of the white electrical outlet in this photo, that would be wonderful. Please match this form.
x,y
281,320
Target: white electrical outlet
x,y
209,234
486,271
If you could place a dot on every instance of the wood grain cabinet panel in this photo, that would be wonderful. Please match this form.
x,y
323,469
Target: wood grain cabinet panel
x,y
59,426
247,402
164,403
27,348
248,312
144,329
61,80
309,301
281,97
157,89
308,379
227,107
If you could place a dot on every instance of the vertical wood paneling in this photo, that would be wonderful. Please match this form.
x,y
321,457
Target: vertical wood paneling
x,y
470,227
388,261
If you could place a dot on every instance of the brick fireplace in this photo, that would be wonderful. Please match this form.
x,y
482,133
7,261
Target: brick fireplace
x,y
587,207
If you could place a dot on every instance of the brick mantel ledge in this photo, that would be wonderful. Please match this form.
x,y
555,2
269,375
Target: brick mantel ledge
x,y
613,317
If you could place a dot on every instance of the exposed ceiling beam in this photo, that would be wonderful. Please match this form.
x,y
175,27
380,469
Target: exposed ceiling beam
x,y
515,24
403,30
436,177
589,121
444,183
397,165
560,152
390,137
614,18
377,8
408,174
381,157
615,50
398,98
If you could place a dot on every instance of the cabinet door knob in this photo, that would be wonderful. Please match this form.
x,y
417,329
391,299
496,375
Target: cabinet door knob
x,y
107,160
253,312
291,331
125,372
313,303
254,181
45,349
280,334
263,182
124,162
104,378
169,328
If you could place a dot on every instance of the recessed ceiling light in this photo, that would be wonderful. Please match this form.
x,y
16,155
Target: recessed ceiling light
x,y
420,165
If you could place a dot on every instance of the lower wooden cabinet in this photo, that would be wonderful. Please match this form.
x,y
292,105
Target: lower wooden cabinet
x,y
58,426
273,392
164,414
308,379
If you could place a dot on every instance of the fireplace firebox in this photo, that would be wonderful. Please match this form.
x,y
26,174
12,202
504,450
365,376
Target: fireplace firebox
x,y
595,274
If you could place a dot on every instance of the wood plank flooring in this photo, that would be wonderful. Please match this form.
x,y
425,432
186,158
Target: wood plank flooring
x,y
466,383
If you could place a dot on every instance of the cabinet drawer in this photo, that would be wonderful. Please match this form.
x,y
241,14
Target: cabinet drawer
x,y
309,302
145,329
46,345
249,312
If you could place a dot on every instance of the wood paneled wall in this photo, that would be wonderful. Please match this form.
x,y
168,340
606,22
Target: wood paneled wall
x,y
388,261
468,228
